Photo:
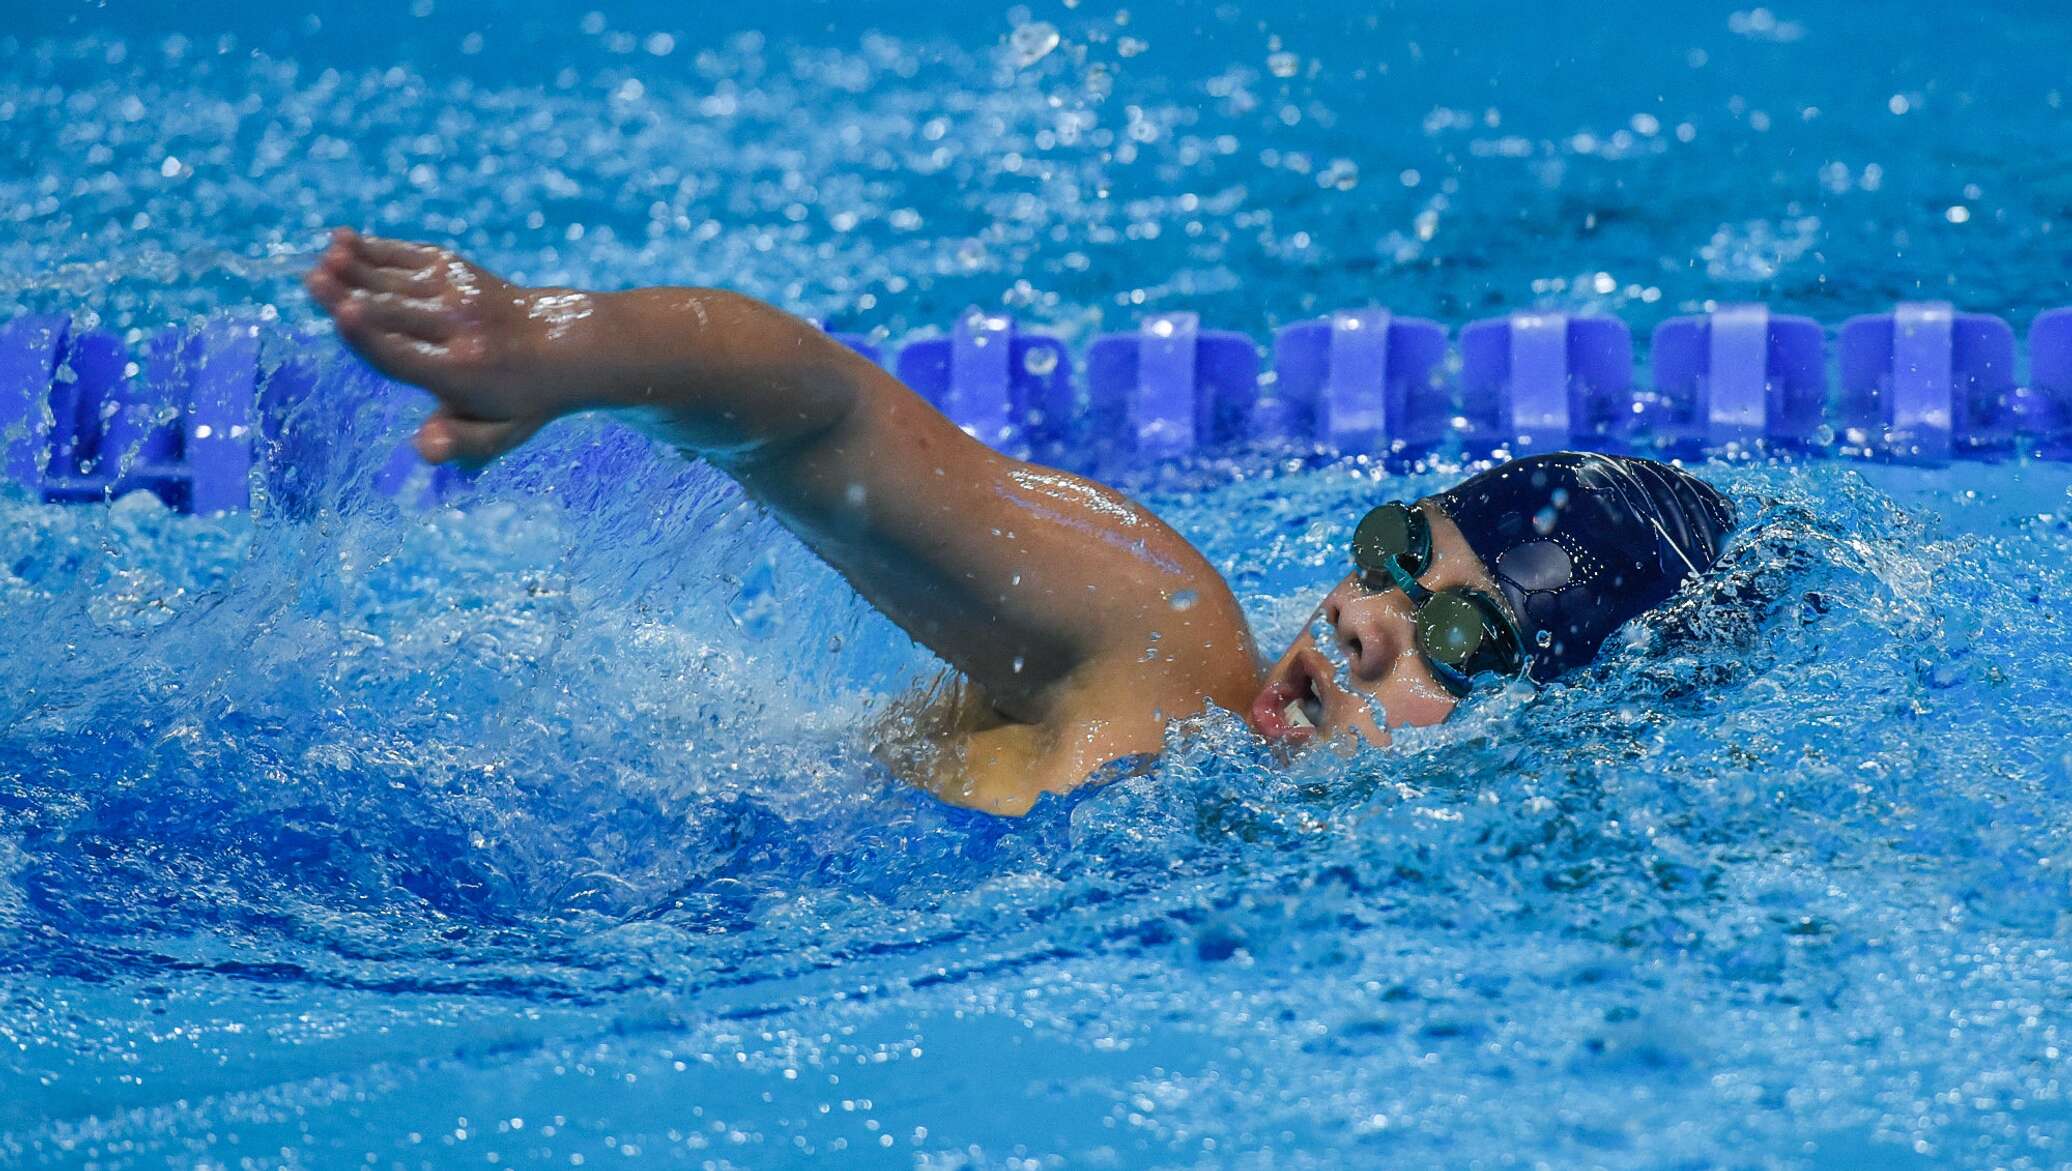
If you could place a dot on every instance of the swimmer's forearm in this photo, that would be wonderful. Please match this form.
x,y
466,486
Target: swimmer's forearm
x,y
719,373
711,371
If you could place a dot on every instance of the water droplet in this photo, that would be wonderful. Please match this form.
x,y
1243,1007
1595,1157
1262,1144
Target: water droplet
x,y
1283,64
1185,600
1040,360
1543,520
1032,42
754,607
1018,661
1544,638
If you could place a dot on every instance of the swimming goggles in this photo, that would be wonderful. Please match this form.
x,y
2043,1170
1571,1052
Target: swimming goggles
x,y
1461,632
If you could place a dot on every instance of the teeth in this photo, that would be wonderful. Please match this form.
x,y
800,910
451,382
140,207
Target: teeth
x,y
1296,715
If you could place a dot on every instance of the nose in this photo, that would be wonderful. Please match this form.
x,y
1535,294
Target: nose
x,y
1373,630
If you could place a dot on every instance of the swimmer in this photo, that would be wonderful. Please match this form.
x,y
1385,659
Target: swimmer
x,y
1079,624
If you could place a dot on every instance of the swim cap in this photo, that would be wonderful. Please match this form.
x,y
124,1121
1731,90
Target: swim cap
x,y
1582,543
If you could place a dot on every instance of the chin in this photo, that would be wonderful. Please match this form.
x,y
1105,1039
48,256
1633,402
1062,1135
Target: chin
x,y
1352,737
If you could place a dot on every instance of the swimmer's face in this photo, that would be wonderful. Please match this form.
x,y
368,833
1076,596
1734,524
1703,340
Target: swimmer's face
x,y
1355,671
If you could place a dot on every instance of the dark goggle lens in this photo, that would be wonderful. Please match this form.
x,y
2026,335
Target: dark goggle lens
x,y
1392,533
1462,633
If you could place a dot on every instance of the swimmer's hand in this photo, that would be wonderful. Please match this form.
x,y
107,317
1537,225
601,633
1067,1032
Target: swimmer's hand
x,y
423,315
710,371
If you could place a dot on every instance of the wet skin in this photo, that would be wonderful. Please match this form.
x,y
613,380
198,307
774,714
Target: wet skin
x,y
1082,623
1356,667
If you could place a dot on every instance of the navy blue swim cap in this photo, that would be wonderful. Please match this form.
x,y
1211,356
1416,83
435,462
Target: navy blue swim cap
x,y
1581,543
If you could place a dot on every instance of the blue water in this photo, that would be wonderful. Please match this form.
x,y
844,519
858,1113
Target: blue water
x,y
546,832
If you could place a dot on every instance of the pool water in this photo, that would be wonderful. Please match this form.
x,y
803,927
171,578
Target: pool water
x,y
547,832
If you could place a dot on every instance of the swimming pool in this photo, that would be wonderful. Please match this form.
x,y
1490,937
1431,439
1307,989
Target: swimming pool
x,y
544,831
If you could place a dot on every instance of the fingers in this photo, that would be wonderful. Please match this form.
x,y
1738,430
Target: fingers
x,y
446,437
398,356
415,317
361,314
368,324
382,252
324,285
356,273
352,269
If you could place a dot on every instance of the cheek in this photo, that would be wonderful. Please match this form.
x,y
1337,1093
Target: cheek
x,y
1414,703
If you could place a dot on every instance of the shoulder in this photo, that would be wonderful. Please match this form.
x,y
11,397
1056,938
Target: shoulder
x,y
1005,769
962,749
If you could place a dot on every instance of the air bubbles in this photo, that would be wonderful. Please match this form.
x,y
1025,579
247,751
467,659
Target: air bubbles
x,y
1283,64
1184,600
1544,520
1040,360
1032,42
1760,24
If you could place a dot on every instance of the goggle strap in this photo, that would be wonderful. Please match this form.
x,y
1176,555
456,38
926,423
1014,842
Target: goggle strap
x,y
1411,587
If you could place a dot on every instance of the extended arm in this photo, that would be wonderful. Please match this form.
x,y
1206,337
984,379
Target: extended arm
x,y
1060,598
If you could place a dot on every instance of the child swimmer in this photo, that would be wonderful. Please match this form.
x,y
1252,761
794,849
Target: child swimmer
x,y
1042,589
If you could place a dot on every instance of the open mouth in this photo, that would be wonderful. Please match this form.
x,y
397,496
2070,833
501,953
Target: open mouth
x,y
1290,710
1305,710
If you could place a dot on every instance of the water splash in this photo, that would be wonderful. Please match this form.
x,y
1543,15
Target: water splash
x,y
344,829
524,757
